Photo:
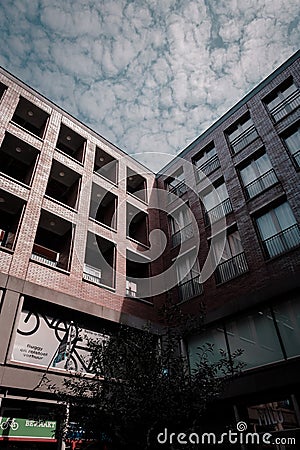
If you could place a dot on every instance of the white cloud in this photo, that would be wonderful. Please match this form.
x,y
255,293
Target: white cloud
x,y
147,75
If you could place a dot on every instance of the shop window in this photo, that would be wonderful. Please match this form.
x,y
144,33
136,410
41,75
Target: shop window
x,y
52,244
241,134
216,202
63,184
103,206
17,159
30,117
292,141
99,263
215,338
258,175
105,165
256,335
288,321
206,161
11,209
136,185
230,259
283,100
278,230
137,224
71,143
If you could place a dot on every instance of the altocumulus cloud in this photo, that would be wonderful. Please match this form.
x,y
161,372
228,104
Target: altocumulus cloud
x,y
149,75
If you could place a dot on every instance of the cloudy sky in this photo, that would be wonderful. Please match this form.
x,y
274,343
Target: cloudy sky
x,y
148,75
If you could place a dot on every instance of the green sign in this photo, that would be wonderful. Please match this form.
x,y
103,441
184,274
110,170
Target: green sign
x,y
12,427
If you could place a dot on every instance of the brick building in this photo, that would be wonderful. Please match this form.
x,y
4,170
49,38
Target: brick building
x,y
76,259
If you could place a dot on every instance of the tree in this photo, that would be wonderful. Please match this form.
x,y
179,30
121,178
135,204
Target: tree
x,y
142,384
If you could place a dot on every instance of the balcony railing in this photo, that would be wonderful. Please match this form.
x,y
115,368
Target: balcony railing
x,y
286,106
231,268
45,255
218,212
179,189
182,235
92,274
296,157
131,289
208,167
190,288
244,139
261,183
282,242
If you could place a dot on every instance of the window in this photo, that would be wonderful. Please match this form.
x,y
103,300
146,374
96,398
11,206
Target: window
x,y
17,159
181,225
11,209
215,337
137,224
2,89
136,185
103,206
206,161
99,262
138,283
258,175
241,134
284,100
256,335
231,261
292,141
188,276
288,321
30,117
278,230
176,185
63,184
217,203
105,165
71,143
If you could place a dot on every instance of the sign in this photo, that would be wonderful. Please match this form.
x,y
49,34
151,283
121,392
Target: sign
x,y
11,427
45,341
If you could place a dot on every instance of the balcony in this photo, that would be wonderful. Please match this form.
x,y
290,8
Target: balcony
x,y
11,210
190,288
92,274
218,212
282,242
182,235
261,184
208,167
244,139
71,143
30,117
45,255
286,106
178,189
106,166
232,268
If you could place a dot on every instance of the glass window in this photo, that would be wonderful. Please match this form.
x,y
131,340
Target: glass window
x,y
278,230
256,335
285,99
242,134
258,175
215,197
288,321
293,144
180,219
216,337
205,155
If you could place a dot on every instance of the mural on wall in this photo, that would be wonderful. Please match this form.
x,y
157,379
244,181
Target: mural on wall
x,y
42,340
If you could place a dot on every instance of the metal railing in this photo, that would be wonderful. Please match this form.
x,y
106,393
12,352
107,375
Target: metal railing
x,y
244,139
209,166
218,212
92,274
45,255
179,189
182,235
261,183
286,106
189,288
282,242
231,268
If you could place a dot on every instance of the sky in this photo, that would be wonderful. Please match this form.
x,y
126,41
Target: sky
x,y
148,75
